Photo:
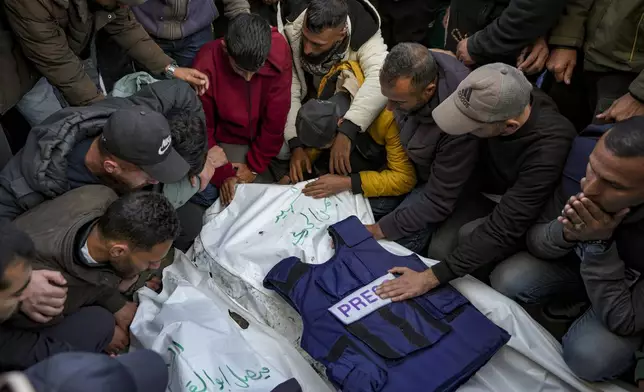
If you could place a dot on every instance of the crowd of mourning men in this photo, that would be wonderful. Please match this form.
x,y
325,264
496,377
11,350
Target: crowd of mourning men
x,y
504,139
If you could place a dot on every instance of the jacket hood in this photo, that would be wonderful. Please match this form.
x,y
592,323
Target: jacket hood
x,y
365,20
451,73
44,157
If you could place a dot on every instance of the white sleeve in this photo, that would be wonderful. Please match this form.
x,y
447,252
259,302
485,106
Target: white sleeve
x,y
369,101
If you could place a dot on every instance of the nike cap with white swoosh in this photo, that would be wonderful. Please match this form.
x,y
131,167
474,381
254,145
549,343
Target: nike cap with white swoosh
x,y
142,137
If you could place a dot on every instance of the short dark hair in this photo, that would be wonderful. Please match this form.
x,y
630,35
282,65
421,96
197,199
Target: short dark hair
x,y
189,139
409,60
626,138
16,246
248,41
326,14
143,219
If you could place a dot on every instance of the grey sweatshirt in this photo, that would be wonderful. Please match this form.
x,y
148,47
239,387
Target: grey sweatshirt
x,y
610,275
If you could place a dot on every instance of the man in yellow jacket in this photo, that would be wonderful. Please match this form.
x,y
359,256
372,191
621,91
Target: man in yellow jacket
x,y
380,165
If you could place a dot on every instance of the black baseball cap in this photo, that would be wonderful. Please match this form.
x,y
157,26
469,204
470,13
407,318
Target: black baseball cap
x,y
139,371
142,137
317,120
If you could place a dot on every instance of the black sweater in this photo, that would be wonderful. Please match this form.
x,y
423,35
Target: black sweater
x,y
525,167
500,29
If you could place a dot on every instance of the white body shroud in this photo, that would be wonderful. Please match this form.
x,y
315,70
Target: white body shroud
x,y
267,223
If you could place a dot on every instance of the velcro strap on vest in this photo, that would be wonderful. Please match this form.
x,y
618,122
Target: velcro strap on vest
x,y
407,330
375,342
351,231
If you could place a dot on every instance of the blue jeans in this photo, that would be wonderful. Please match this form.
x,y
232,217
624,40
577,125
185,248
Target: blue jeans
x,y
591,351
381,206
184,50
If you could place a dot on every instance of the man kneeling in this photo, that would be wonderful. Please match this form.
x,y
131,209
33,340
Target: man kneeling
x,y
100,243
593,248
380,166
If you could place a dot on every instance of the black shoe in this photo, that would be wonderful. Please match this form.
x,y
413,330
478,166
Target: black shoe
x,y
564,311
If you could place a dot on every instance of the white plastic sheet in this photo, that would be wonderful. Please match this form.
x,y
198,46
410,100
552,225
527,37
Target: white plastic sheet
x,y
190,324
241,243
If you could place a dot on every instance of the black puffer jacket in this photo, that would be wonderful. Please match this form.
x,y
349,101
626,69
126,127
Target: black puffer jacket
x,y
499,29
39,171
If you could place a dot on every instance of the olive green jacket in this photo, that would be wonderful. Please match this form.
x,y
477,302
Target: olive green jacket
x,y
611,33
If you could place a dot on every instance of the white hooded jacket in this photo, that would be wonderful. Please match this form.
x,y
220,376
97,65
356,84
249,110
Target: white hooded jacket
x,y
366,46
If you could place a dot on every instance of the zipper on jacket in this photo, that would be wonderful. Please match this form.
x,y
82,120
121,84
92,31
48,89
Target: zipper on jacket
x,y
637,31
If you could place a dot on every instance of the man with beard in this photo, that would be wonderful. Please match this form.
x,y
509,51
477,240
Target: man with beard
x,y
100,243
124,143
90,329
416,80
324,34
588,247
525,146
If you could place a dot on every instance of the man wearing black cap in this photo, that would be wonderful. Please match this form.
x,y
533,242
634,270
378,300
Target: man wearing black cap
x,y
124,143
56,37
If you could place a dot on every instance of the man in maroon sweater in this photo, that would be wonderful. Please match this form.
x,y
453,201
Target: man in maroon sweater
x,y
248,99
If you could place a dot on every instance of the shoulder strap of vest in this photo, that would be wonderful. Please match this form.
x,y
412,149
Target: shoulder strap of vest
x,y
349,232
285,274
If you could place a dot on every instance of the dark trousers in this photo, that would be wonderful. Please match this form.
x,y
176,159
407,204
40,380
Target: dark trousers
x,y
589,93
605,87
471,207
266,11
90,330
114,63
410,20
5,149
184,50
191,218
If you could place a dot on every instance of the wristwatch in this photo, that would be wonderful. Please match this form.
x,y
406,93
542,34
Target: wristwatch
x,y
169,72
598,246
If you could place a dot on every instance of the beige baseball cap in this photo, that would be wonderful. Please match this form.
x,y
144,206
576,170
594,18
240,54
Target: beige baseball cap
x,y
492,93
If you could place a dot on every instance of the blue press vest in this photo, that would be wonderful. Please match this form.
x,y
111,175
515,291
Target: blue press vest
x,y
434,342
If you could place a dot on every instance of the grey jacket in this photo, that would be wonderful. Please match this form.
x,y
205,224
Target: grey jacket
x,y
39,171
616,297
443,163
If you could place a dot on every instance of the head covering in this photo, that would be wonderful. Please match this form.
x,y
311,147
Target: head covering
x,y
140,371
141,136
317,120
492,93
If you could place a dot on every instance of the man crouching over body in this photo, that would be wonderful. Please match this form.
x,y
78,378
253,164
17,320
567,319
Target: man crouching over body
x,y
100,243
